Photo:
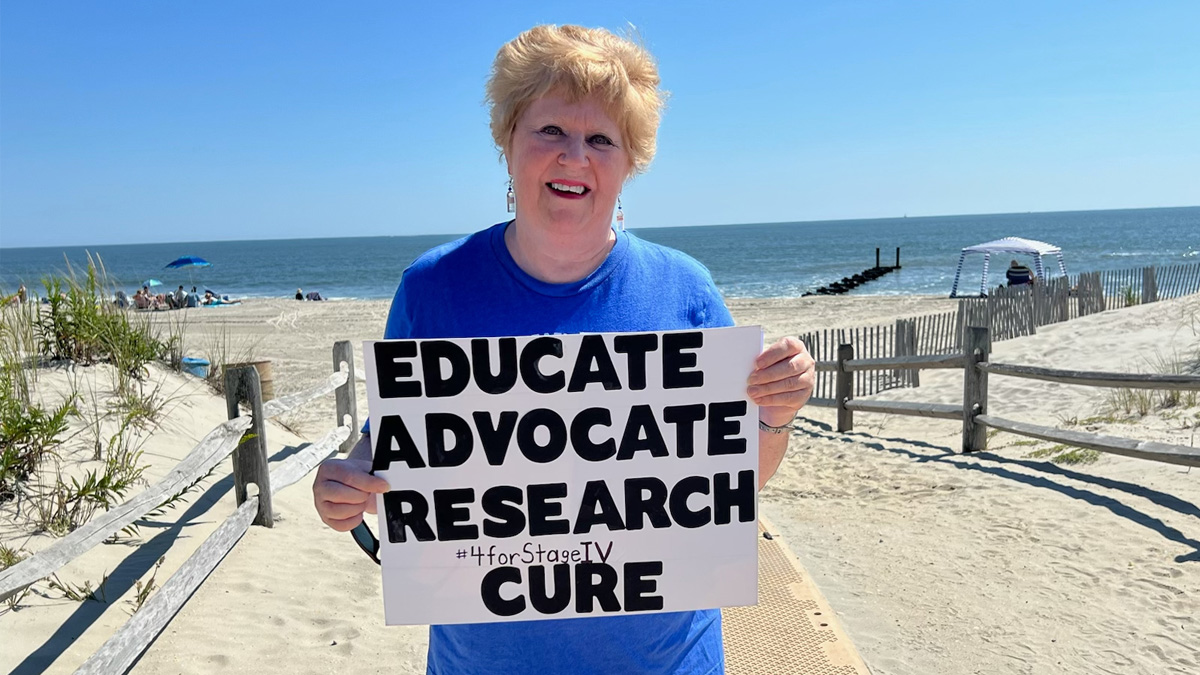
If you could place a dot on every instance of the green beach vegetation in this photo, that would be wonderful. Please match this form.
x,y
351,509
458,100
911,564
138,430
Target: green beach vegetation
x,y
80,332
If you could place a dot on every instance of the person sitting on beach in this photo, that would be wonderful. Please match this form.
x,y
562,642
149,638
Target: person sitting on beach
x,y
180,297
1018,274
141,299
299,294
574,112
209,298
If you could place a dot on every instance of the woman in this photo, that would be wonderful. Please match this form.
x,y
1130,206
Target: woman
x,y
575,113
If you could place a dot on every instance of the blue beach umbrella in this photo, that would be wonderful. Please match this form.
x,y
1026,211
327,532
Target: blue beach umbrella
x,y
190,262
187,261
152,283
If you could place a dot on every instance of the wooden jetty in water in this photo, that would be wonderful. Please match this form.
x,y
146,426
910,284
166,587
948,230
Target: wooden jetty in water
x,y
852,282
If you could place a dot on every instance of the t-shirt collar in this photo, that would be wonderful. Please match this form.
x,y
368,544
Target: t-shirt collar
x,y
611,262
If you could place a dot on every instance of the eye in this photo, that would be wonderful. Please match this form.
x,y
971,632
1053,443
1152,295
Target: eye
x,y
552,130
600,139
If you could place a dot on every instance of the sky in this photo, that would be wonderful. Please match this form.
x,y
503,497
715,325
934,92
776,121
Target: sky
x,y
149,121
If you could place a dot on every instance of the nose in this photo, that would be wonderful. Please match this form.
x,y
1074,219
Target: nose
x,y
575,153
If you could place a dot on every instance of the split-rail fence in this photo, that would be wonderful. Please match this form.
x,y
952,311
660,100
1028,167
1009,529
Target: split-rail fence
x,y
977,366
243,436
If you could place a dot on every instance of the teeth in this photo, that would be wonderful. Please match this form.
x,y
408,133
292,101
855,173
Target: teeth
x,y
577,189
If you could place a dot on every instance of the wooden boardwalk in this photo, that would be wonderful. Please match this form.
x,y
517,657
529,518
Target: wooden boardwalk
x,y
792,630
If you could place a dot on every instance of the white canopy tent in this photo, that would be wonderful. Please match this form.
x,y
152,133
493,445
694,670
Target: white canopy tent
x,y
1037,249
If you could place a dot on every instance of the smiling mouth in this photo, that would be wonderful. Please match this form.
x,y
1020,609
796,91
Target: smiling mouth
x,y
568,190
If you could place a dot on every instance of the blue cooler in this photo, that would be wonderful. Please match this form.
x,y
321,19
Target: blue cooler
x,y
197,367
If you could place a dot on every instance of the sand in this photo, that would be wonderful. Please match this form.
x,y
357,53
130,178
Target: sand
x,y
936,562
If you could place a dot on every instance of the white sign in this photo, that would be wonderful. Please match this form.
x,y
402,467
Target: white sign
x,y
561,476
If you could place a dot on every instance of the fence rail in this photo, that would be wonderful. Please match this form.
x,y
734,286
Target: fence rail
x,y
1159,452
1095,378
244,437
973,409
211,450
121,650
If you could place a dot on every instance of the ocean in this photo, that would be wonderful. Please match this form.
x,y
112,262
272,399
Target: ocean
x,y
751,260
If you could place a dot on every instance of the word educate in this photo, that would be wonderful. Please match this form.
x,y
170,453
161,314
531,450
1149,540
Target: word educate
x,y
593,364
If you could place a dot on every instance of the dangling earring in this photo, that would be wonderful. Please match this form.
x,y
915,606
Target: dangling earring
x,y
620,216
512,199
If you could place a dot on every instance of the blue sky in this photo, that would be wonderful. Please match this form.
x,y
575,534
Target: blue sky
x,y
182,121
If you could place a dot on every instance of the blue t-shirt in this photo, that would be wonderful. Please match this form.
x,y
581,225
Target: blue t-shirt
x,y
473,288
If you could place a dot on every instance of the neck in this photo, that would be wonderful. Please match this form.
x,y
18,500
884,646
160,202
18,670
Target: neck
x,y
557,258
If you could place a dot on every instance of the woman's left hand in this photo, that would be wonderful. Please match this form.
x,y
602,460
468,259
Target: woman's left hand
x,y
783,379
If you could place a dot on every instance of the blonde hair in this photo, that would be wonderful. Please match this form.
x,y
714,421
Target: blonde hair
x,y
578,63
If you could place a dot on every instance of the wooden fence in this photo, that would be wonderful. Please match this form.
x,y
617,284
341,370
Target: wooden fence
x,y
1008,312
974,360
1149,284
244,435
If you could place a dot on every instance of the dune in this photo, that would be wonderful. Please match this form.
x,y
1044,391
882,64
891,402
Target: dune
x,y
935,562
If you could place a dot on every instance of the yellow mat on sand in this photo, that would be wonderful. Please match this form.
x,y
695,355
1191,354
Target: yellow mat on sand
x,y
792,630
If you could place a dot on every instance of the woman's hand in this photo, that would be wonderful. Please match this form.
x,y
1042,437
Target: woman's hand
x,y
343,490
783,379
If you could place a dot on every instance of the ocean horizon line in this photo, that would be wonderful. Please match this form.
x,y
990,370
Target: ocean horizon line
x,y
747,260
450,236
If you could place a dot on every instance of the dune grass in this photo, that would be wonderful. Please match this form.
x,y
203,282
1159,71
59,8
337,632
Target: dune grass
x,y
76,326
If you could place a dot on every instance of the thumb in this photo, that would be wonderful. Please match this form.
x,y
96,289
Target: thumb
x,y
356,473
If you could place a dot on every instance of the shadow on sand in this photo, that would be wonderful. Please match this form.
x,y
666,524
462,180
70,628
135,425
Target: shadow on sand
x,y
995,464
130,570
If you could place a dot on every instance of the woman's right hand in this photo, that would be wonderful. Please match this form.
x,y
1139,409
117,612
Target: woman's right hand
x,y
344,489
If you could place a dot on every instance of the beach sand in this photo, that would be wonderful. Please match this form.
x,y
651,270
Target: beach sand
x,y
936,562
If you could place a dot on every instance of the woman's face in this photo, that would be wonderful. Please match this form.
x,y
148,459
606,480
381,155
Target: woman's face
x,y
568,163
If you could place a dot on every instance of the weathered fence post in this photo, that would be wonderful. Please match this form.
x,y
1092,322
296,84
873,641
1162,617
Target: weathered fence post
x,y
347,400
1027,315
910,341
844,388
977,344
905,344
899,348
1149,285
250,457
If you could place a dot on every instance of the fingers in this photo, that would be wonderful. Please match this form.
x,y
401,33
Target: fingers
x,y
795,383
343,525
784,377
355,473
343,490
339,493
781,350
786,357
792,400
334,511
